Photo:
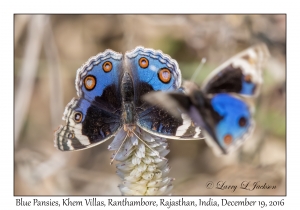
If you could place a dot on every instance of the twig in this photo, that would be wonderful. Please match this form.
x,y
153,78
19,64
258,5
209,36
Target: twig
x,y
56,93
28,71
21,21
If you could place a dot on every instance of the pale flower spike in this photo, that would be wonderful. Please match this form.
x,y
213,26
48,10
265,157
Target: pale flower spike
x,y
142,165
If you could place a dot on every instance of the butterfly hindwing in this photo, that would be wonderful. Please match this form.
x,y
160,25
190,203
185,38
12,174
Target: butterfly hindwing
x,y
227,119
86,126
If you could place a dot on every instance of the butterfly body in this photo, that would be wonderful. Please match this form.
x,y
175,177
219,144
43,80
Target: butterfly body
x,y
222,106
110,87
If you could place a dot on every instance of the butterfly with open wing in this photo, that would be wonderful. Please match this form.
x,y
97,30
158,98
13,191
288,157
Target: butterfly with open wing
x,y
223,106
110,88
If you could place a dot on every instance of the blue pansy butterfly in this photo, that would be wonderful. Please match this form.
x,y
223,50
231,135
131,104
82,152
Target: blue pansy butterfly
x,y
223,105
110,87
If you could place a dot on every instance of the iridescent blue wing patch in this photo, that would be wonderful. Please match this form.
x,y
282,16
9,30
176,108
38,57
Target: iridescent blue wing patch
x,y
231,121
99,79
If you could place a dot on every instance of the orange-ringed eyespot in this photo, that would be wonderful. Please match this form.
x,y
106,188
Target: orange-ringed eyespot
x,y
143,62
164,75
90,82
107,66
227,139
78,117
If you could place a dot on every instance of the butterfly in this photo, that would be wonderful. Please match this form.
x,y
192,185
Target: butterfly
x,y
224,104
110,87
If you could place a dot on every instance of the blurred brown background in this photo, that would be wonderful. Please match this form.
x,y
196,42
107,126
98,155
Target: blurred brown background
x,y
50,48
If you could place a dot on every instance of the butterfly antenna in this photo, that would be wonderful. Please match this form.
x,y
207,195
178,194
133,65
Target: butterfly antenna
x,y
155,152
196,72
119,149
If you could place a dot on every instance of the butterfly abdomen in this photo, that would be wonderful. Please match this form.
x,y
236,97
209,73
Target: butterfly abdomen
x,y
127,88
128,95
